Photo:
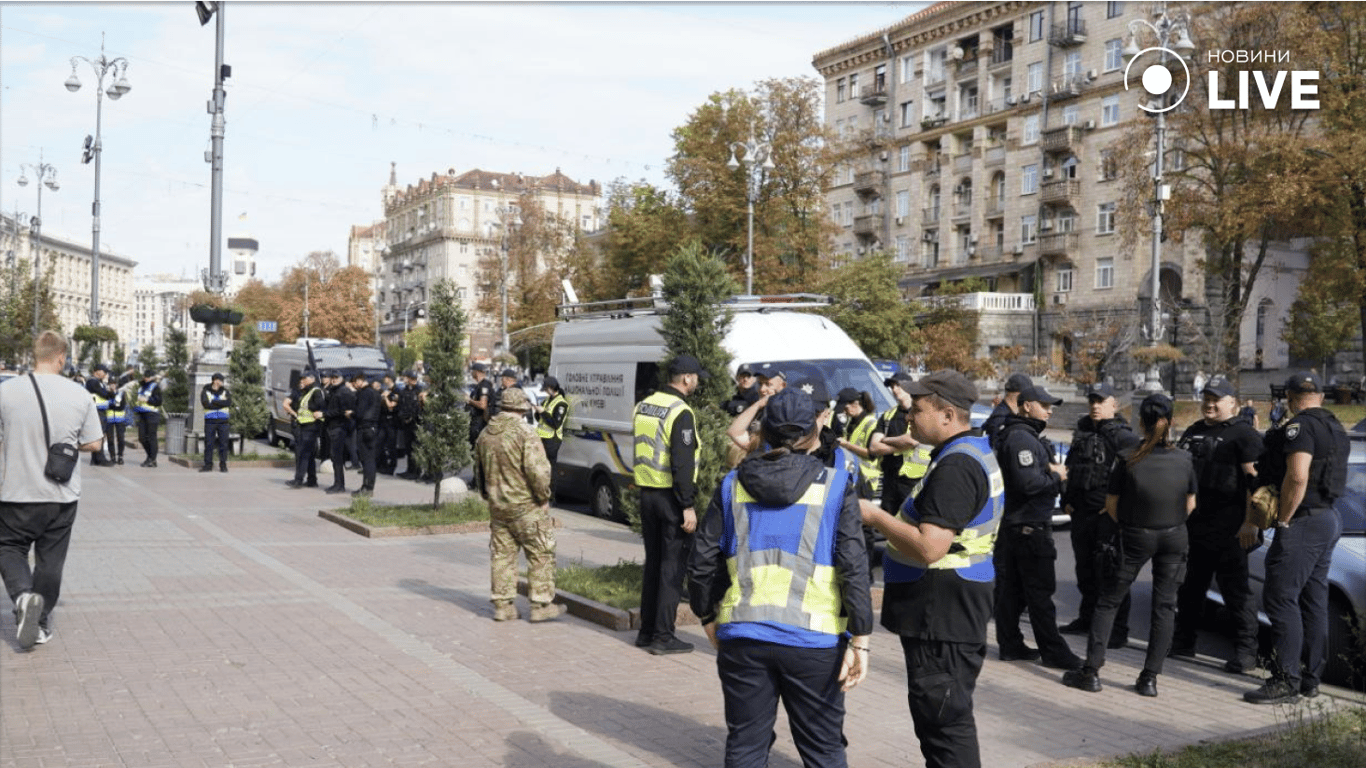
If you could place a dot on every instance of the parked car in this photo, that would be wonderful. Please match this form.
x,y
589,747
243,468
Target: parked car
x,y
1346,576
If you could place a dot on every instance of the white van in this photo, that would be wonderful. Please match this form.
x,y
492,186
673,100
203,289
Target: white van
x,y
607,362
287,361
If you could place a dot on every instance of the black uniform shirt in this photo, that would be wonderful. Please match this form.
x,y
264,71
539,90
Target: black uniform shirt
x,y
997,419
1152,493
367,409
1219,452
1311,432
1031,487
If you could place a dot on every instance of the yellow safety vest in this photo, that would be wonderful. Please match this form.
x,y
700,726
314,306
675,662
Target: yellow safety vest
x,y
916,462
101,403
305,411
216,414
793,581
118,411
652,425
871,467
543,429
144,393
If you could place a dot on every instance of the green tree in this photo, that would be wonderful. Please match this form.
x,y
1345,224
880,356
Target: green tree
x,y
148,358
869,307
1323,314
443,447
644,223
176,396
119,358
339,301
402,356
946,332
16,321
249,413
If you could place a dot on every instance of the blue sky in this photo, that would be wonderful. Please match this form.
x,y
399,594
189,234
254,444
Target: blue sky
x,y
324,96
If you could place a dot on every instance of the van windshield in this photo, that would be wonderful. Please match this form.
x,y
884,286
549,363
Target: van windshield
x,y
836,375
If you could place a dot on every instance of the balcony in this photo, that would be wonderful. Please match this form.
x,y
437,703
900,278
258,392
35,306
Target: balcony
x,y
1064,138
962,163
968,66
994,155
932,121
986,301
1069,34
1061,191
962,210
1067,87
869,183
931,166
967,108
996,206
1058,244
873,95
868,226
929,215
988,253
1003,53
1002,103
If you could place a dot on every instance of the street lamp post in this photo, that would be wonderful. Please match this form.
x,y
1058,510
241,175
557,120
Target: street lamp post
x,y
46,176
93,148
1173,38
757,157
215,280
508,217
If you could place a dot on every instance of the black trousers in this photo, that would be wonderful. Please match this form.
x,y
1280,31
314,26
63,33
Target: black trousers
x,y
666,557
1296,595
940,680
216,439
305,451
115,439
1025,579
1091,529
1166,548
755,675
367,442
337,439
386,458
148,421
1224,560
46,528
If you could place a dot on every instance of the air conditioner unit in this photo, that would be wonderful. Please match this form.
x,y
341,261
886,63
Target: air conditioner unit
x,y
1046,226
1010,101
1090,125
1025,98
1019,249
861,249
882,156
929,237
1059,298
1048,173
900,220
1091,74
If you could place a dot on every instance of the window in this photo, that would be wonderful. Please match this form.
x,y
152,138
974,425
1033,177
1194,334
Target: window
x,y
1035,26
853,86
1031,129
1114,56
1113,9
1109,110
1029,179
907,113
1029,229
1109,166
1064,282
1176,159
1105,219
880,77
1069,114
934,66
1003,44
903,203
849,213
903,161
1105,272
903,249
1034,77
907,68
1071,66
840,93
1003,89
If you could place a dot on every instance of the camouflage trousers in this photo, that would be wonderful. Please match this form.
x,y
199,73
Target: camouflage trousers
x,y
534,532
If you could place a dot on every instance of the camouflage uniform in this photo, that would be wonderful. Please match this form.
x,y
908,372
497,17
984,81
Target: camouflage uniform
x,y
513,474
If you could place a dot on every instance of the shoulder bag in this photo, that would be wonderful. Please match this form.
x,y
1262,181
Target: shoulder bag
x,y
62,457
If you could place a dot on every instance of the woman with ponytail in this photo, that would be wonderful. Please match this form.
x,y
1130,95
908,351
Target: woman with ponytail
x,y
1151,492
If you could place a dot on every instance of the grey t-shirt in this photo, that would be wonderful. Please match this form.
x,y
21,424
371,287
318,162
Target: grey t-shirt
x,y
71,419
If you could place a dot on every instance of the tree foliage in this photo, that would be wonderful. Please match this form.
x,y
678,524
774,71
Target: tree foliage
x,y
870,308
249,414
16,319
443,441
175,398
339,301
946,332
644,225
1320,320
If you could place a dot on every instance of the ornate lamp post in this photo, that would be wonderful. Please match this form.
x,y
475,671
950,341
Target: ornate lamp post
x,y
508,217
47,177
93,147
757,157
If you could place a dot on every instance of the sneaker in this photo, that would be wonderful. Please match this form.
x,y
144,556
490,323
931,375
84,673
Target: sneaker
x,y
361,492
45,634
644,641
670,646
1075,627
1084,679
1023,653
1273,692
293,484
336,489
28,610
545,612
505,612
222,467
119,461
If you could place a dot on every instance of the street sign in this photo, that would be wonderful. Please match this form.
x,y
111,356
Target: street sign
x,y
265,326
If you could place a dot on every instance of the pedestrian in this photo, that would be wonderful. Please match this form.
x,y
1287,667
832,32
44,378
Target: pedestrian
x,y
216,402
789,614
147,410
506,380
903,458
37,513
480,404
1099,438
1307,460
98,387
746,391
513,475
1225,447
861,420
388,432
1008,406
341,405
665,471
308,416
938,568
408,413
1025,551
550,418
1150,494
116,429
366,418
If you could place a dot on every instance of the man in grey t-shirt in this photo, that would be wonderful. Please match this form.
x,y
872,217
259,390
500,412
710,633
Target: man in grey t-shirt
x,y
35,511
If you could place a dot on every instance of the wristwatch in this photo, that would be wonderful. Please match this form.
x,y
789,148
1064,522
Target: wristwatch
x,y
1282,524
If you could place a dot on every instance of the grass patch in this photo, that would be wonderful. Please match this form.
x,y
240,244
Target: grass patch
x,y
468,510
1315,733
234,456
615,585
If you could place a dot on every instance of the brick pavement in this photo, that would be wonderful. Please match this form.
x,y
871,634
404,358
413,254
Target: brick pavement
x,y
215,620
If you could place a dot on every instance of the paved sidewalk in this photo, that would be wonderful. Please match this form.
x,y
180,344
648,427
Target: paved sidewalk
x,y
215,620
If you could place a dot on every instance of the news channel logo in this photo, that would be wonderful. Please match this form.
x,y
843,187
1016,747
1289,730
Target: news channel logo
x,y
1156,78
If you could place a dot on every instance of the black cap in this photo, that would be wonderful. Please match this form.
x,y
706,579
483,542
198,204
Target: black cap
x,y
508,373
484,367
551,382
789,414
331,373
900,378
307,373
820,396
1219,387
100,367
1302,382
216,377
1100,391
1155,406
1018,382
686,363
771,371
744,370
1038,394
952,386
846,395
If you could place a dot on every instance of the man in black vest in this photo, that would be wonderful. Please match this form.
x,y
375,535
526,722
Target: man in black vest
x,y
341,403
366,419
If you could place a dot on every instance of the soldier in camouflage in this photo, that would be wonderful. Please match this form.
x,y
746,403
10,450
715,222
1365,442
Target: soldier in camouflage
x,y
513,475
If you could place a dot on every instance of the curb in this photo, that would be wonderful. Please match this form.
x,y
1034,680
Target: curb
x,y
392,531
239,463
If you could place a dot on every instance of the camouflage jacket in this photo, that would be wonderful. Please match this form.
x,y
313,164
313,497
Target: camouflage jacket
x,y
510,467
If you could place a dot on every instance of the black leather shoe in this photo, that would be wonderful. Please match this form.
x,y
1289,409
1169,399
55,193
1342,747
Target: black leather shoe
x,y
313,484
206,468
1146,684
670,646
1272,692
1075,627
1084,679
1309,690
1024,653
293,484
222,467
1062,662
336,489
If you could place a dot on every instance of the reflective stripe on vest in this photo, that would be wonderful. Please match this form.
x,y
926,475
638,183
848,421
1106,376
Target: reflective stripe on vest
x,y
970,552
871,467
145,392
652,425
792,579
116,415
543,430
101,403
916,463
305,413
216,414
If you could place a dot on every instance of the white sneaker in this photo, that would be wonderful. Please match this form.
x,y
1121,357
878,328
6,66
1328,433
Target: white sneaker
x,y
28,609
44,635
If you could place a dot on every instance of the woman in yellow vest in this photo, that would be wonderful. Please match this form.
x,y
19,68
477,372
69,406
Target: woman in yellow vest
x,y
550,418
779,578
858,432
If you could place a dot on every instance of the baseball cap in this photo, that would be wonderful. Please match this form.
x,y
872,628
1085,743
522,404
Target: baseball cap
x,y
744,370
900,378
1100,391
952,386
686,363
1155,406
508,373
216,377
820,396
1219,387
331,373
100,367
771,371
307,373
846,395
789,414
552,382
1038,394
484,367
1303,381
1018,382
513,399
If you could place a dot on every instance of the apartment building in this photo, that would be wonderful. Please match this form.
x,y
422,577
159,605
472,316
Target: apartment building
x,y
241,263
988,128
442,227
162,302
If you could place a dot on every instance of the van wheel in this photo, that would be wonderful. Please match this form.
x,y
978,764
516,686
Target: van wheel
x,y
604,502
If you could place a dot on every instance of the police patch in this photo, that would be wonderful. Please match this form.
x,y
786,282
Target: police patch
x,y
1026,458
1292,431
687,437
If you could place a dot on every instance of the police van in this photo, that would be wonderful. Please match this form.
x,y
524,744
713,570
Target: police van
x,y
606,355
287,361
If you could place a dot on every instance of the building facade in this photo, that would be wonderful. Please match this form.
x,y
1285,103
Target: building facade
x,y
241,266
162,302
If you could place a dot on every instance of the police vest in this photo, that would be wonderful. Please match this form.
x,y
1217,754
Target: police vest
x,y
101,403
783,579
543,429
305,409
970,552
144,394
216,412
118,411
652,425
916,463
870,467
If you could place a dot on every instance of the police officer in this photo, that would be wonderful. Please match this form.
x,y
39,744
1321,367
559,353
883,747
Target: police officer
x,y
506,380
1307,460
307,410
904,459
1009,405
366,418
388,428
216,402
666,473
480,404
117,417
147,408
408,415
938,568
792,648
98,387
1225,447
746,391
341,404
1025,551
1096,443
550,418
